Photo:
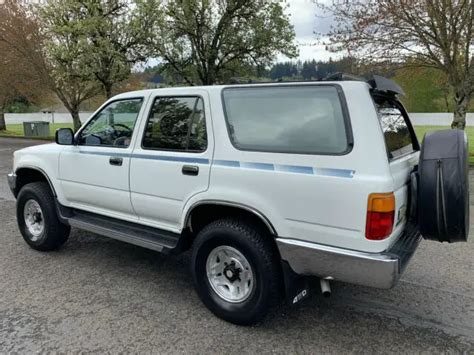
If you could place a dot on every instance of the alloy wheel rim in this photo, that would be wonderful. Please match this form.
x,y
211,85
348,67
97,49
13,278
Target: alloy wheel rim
x,y
229,273
34,221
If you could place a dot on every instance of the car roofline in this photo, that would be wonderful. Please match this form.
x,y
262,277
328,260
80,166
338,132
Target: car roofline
x,y
218,88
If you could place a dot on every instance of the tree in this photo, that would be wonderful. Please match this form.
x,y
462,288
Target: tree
x,y
94,43
115,34
54,53
79,47
17,77
283,70
66,50
8,85
205,40
425,33
308,71
424,88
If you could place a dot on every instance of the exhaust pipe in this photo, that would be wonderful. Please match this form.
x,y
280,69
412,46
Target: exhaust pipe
x,y
325,287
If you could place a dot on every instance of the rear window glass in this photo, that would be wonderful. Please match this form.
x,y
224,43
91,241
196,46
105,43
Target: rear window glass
x,y
287,119
395,129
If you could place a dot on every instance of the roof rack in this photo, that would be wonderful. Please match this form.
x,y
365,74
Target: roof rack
x,y
343,77
239,81
377,82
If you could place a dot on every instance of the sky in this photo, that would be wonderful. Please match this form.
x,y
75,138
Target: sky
x,y
306,20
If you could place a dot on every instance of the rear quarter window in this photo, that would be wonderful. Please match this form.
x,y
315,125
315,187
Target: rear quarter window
x,y
287,119
398,136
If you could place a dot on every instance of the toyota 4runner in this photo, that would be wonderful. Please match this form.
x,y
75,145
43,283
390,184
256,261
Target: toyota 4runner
x,y
266,183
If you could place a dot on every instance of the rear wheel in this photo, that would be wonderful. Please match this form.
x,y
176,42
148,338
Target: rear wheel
x,y
37,218
236,271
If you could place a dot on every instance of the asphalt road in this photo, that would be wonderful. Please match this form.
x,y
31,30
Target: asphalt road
x,y
101,295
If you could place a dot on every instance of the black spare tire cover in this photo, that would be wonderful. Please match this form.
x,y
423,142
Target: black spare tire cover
x,y
443,189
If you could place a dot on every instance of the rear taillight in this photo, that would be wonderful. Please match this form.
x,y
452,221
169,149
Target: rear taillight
x,y
380,216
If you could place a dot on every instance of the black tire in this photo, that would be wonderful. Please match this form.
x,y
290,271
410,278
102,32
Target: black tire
x,y
262,257
54,233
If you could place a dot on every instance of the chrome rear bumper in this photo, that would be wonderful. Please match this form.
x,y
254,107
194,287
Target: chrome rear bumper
x,y
380,270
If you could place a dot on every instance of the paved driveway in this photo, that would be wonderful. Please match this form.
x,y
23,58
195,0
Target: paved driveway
x,y
101,295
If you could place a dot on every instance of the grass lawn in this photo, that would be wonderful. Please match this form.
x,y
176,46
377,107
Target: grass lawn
x,y
17,129
421,130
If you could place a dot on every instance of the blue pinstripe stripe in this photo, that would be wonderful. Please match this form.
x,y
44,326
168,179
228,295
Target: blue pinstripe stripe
x,y
296,169
172,158
258,166
229,163
149,156
343,173
109,154
334,172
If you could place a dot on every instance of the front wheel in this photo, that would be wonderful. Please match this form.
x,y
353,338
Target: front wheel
x,y
37,218
236,271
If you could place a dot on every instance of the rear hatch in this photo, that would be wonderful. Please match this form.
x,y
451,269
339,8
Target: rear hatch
x,y
402,152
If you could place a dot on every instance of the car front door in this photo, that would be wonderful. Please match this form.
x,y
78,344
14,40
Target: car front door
x,y
94,173
171,163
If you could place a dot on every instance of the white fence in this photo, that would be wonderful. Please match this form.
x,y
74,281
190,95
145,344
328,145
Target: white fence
x,y
18,118
418,119
437,119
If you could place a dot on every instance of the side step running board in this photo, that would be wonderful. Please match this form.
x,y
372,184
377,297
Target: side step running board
x,y
132,233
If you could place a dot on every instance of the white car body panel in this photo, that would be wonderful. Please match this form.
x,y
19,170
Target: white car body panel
x,y
42,157
313,198
156,178
88,181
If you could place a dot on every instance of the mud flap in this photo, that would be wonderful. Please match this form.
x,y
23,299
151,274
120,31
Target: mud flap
x,y
296,286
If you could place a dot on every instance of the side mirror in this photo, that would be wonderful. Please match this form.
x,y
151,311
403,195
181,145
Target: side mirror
x,y
65,136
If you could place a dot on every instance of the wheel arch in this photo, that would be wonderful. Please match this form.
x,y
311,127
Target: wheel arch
x,y
226,208
28,174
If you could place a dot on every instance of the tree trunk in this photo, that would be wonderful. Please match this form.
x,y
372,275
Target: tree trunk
x,y
3,125
108,91
75,119
461,102
208,76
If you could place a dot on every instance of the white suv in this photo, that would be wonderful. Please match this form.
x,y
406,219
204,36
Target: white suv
x,y
268,183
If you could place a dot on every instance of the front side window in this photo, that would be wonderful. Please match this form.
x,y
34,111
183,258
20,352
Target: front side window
x,y
287,119
113,125
395,129
176,123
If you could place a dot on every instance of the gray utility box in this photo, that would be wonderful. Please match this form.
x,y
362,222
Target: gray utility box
x,y
36,129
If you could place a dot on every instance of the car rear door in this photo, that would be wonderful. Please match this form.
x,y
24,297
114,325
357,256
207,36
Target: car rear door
x,y
171,159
